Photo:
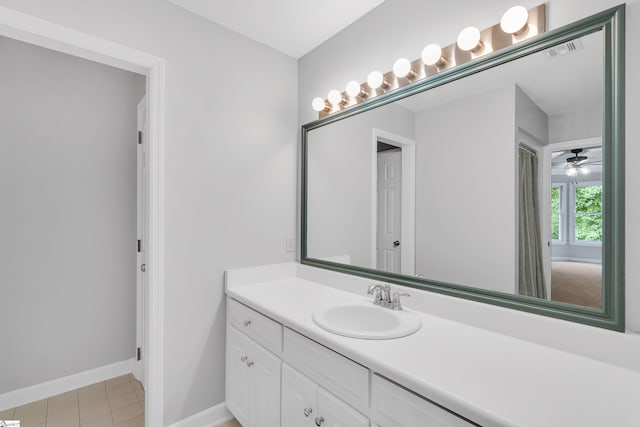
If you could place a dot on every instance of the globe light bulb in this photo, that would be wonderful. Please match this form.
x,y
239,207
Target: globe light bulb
x,y
402,67
572,171
469,39
375,79
432,54
353,88
334,97
584,170
514,20
318,104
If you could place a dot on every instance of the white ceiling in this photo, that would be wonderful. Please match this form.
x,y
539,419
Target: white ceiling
x,y
294,27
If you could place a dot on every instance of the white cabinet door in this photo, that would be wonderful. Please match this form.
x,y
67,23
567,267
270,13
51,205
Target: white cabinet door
x,y
335,413
299,398
264,382
237,375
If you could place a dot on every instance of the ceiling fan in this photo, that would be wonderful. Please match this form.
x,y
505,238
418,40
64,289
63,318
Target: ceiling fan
x,y
578,163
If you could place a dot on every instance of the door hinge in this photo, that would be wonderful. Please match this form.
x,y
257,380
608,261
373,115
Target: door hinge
x,y
143,268
139,245
139,354
139,137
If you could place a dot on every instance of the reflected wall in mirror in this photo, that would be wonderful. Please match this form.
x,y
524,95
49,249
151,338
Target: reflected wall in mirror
x,y
491,184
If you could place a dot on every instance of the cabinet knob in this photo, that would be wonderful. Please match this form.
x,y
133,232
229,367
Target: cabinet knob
x,y
250,363
307,411
243,358
319,421
247,322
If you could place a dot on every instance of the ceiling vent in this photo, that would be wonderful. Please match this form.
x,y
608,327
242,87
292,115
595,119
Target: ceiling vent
x,y
565,49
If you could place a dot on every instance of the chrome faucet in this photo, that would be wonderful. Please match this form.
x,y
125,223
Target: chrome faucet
x,y
382,296
374,290
378,291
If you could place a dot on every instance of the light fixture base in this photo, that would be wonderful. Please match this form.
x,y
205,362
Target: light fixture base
x,y
492,39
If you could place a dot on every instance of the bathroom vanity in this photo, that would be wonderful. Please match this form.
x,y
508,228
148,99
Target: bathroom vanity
x,y
282,369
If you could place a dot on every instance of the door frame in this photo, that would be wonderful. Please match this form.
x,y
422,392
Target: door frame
x,y
30,29
545,203
142,233
408,203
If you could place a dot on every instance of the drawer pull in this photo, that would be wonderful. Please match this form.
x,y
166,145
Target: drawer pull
x,y
307,411
319,421
247,323
249,363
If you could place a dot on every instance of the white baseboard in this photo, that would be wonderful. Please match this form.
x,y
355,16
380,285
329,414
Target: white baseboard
x,y
210,417
41,391
571,259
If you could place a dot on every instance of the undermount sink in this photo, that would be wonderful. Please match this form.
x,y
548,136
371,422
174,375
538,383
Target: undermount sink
x,y
365,320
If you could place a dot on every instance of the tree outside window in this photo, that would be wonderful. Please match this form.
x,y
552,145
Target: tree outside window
x,y
588,214
578,218
556,212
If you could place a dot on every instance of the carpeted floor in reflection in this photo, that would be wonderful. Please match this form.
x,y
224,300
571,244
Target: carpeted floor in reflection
x,y
577,283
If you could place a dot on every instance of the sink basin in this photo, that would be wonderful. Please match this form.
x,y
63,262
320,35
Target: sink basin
x,y
365,320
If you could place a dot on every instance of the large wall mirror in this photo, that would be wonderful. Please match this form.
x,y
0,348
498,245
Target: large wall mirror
x,y
500,180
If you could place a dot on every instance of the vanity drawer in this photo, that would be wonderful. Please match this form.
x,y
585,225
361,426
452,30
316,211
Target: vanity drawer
x,y
262,329
394,406
342,376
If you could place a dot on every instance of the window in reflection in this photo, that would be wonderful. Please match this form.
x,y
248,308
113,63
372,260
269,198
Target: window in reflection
x,y
576,226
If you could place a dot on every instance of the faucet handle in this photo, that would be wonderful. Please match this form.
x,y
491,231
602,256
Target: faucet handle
x,y
395,302
375,289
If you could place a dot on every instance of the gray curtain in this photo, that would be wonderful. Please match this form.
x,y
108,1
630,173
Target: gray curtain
x,y
530,267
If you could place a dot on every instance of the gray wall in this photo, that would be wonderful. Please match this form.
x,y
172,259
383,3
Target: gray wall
x,y
68,221
465,148
230,162
410,24
340,182
531,120
580,124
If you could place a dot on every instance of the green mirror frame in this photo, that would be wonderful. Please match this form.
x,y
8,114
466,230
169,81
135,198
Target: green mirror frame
x,y
611,22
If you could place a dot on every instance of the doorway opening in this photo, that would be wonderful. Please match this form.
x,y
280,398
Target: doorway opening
x,y
573,208
393,203
33,30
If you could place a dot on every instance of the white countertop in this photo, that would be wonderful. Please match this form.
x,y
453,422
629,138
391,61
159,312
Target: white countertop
x,y
492,379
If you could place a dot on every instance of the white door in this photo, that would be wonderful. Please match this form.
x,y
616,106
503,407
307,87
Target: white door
x,y
388,243
299,397
237,375
334,412
265,370
142,233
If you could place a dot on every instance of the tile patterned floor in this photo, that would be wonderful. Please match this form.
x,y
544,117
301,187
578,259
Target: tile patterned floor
x,y
115,402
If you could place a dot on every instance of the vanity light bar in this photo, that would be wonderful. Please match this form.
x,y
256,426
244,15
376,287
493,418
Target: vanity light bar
x,y
517,24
